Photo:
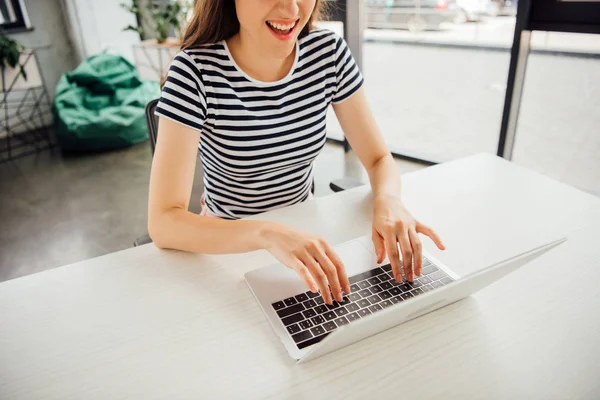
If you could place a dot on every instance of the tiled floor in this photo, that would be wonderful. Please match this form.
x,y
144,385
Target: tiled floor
x,y
57,210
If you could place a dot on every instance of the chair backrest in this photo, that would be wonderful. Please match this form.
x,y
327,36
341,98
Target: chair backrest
x,y
152,121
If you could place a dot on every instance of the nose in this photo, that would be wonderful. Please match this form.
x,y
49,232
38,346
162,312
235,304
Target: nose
x,y
289,8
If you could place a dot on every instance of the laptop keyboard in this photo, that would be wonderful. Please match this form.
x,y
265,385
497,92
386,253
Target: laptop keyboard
x,y
309,320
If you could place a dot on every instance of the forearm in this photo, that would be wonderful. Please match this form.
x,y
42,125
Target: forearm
x,y
385,177
183,230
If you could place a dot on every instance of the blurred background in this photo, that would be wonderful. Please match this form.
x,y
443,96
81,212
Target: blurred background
x,y
77,74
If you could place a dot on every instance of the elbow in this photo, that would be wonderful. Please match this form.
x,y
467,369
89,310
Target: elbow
x,y
156,231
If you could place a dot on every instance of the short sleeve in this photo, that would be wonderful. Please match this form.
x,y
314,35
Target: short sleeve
x,y
347,75
183,98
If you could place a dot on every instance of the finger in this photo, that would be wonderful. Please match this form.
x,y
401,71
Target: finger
x,y
432,235
417,248
391,247
305,275
379,244
319,276
340,268
332,276
407,255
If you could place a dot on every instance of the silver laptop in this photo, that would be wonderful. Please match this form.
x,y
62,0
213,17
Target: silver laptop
x,y
308,328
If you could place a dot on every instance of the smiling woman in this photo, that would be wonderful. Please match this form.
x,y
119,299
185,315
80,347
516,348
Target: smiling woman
x,y
250,89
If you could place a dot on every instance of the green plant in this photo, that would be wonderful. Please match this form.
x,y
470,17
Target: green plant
x,y
164,17
134,8
159,16
10,54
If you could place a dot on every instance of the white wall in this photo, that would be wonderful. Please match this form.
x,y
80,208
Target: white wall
x,y
97,25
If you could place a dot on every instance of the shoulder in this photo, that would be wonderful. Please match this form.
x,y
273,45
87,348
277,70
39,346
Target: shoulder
x,y
320,37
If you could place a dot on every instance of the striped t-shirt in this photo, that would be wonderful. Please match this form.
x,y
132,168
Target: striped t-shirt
x,y
258,140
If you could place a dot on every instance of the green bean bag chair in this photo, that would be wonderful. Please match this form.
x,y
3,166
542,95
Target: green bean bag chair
x,y
101,104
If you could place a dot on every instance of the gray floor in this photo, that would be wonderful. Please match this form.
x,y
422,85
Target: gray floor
x,y
57,210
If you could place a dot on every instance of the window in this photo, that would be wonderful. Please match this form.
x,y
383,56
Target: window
x,y
13,16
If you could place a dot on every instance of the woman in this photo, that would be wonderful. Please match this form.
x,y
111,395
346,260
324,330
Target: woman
x,y
250,89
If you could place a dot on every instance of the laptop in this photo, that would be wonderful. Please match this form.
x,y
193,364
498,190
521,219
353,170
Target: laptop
x,y
309,328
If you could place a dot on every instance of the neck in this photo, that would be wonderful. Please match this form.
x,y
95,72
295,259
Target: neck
x,y
249,58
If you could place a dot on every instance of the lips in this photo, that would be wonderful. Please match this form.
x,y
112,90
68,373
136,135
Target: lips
x,y
282,30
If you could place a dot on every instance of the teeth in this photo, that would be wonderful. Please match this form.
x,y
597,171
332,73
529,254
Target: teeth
x,y
281,27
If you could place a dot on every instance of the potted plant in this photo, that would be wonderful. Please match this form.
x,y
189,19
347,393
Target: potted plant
x,y
10,57
155,21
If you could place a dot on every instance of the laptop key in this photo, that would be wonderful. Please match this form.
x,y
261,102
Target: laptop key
x,y
341,321
365,293
407,296
437,284
317,330
395,291
354,297
292,319
290,302
446,281
364,312
330,315
341,311
311,341
319,300
352,316
374,308
312,295
374,299
429,269
425,280
376,289
345,301
321,309
387,267
302,336
426,288
352,307
374,280
318,320
405,287
384,277
436,276
384,304
329,326
354,288
417,291
364,284
386,285
290,310
334,305
309,304
396,299
385,295
301,297
309,313
306,324
364,303
292,329
279,305
366,275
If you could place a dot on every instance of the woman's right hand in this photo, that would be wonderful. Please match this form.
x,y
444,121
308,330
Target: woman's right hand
x,y
311,257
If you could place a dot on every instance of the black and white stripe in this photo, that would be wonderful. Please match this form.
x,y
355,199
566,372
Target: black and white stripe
x,y
258,139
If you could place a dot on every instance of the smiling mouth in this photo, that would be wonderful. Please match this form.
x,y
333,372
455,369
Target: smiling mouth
x,y
282,29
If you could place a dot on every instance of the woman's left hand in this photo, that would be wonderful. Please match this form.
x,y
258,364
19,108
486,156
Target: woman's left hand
x,y
393,224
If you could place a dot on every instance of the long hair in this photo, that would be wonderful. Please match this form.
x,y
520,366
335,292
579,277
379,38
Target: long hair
x,y
216,20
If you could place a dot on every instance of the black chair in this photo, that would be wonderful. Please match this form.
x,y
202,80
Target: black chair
x,y
337,185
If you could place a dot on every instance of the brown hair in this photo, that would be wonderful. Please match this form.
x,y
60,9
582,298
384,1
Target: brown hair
x,y
216,20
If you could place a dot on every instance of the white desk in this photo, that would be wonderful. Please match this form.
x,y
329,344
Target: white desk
x,y
150,324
